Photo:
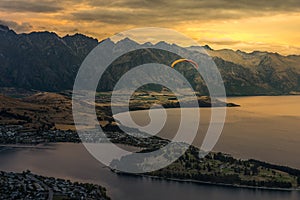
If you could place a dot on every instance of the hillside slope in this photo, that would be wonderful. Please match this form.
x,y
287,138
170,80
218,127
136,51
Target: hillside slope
x,y
46,62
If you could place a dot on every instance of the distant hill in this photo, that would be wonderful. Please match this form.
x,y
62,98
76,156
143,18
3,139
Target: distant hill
x,y
46,62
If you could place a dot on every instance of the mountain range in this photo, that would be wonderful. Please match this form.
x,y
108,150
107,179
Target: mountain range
x,y
45,61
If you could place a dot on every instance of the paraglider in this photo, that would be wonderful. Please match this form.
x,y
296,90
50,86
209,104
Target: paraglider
x,y
184,60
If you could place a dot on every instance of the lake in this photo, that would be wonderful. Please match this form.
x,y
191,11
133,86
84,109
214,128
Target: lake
x,y
265,128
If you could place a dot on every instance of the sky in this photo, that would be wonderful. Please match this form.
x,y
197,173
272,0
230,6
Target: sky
x,y
266,25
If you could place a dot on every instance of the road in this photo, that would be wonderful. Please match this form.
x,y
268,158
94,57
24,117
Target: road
x,y
50,191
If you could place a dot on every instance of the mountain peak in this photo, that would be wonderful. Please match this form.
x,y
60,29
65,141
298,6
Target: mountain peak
x,y
4,28
259,52
106,40
207,47
127,41
147,44
43,33
79,36
161,43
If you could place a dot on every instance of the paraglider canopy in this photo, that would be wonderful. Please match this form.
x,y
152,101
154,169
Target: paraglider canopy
x,y
184,60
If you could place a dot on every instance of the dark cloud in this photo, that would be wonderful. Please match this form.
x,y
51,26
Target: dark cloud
x,y
151,12
140,12
263,5
42,6
19,27
225,41
194,4
150,17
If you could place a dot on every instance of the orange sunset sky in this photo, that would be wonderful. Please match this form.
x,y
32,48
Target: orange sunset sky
x,y
267,25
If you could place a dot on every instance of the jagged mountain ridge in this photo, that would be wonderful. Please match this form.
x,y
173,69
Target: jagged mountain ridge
x,y
44,61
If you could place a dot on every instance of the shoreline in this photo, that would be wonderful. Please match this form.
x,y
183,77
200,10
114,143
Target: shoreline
x,y
205,183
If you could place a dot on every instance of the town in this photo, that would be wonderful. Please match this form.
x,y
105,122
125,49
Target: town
x,y
27,185
13,134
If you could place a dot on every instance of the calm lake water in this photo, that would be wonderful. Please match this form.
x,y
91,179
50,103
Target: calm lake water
x,y
265,128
